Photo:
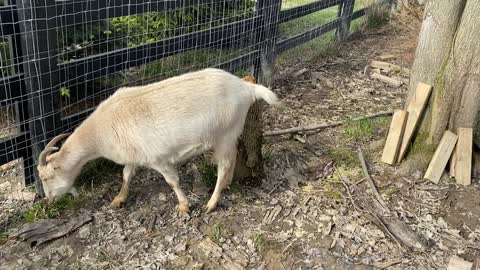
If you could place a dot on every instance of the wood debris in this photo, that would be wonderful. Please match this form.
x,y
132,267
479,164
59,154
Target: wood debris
x,y
457,263
385,79
39,232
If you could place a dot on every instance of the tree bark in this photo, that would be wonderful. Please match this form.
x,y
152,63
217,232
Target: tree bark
x,y
448,57
457,98
440,22
249,166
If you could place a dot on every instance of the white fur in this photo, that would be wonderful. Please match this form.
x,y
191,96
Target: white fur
x,y
159,125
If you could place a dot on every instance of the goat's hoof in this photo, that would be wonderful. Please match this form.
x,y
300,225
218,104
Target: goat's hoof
x,y
182,209
209,207
116,203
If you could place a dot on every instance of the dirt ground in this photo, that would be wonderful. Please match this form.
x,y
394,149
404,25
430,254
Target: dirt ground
x,y
304,214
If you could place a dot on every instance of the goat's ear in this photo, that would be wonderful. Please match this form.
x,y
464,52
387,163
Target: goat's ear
x,y
52,157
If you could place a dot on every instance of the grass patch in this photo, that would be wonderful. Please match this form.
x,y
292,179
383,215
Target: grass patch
x,y
45,210
321,47
378,14
363,130
258,241
208,171
217,232
343,156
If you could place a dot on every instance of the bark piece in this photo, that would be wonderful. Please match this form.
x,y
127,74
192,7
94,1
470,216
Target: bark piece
x,y
441,157
415,110
42,231
394,137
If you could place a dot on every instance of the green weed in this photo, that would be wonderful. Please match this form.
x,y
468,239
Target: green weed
x,y
258,241
208,171
45,210
217,232
363,130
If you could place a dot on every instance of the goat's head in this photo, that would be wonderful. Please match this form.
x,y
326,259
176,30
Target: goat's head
x,y
56,178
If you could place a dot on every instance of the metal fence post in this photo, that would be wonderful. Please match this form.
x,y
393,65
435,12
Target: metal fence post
x,y
39,45
345,12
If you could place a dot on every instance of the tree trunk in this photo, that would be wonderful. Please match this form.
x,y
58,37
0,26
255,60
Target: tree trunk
x,y
249,167
457,106
440,21
450,61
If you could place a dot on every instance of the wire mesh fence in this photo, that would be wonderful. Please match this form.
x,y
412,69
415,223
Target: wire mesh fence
x,y
60,58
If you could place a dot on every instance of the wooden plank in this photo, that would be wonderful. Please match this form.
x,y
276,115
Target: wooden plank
x,y
388,67
415,110
457,263
453,163
394,137
385,79
385,57
441,157
463,168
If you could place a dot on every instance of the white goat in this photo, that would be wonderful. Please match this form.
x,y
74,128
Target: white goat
x,y
157,126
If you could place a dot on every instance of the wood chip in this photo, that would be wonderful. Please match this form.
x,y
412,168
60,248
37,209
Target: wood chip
x,y
457,263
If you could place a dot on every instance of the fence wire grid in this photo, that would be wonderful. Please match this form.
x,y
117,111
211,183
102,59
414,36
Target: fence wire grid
x,y
60,58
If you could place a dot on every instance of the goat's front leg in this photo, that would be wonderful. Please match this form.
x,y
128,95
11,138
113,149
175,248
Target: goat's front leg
x,y
128,173
171,177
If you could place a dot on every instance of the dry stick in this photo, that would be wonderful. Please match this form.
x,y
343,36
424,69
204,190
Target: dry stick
x,y
370,181
324,125
397,229
346,188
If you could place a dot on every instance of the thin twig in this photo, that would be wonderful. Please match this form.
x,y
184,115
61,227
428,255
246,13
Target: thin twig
x,y
320,126
347,188
370,181
275,187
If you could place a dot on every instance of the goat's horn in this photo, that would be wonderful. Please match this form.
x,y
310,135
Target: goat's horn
x,y
42,160
56,139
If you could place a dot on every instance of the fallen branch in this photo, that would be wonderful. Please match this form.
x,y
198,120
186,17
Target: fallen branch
x,y
370,181
379,211
320,126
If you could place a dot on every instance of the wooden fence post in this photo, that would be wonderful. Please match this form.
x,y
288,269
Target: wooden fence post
x,y
37,20
345,12
249,159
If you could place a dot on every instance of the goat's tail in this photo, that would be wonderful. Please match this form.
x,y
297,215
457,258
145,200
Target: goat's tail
x,y
265,94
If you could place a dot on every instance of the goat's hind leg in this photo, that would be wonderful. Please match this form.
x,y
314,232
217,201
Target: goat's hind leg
x,y
128,173
225,157
171,177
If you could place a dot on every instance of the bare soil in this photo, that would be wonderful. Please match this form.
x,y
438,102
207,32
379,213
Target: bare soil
x,y
301,215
